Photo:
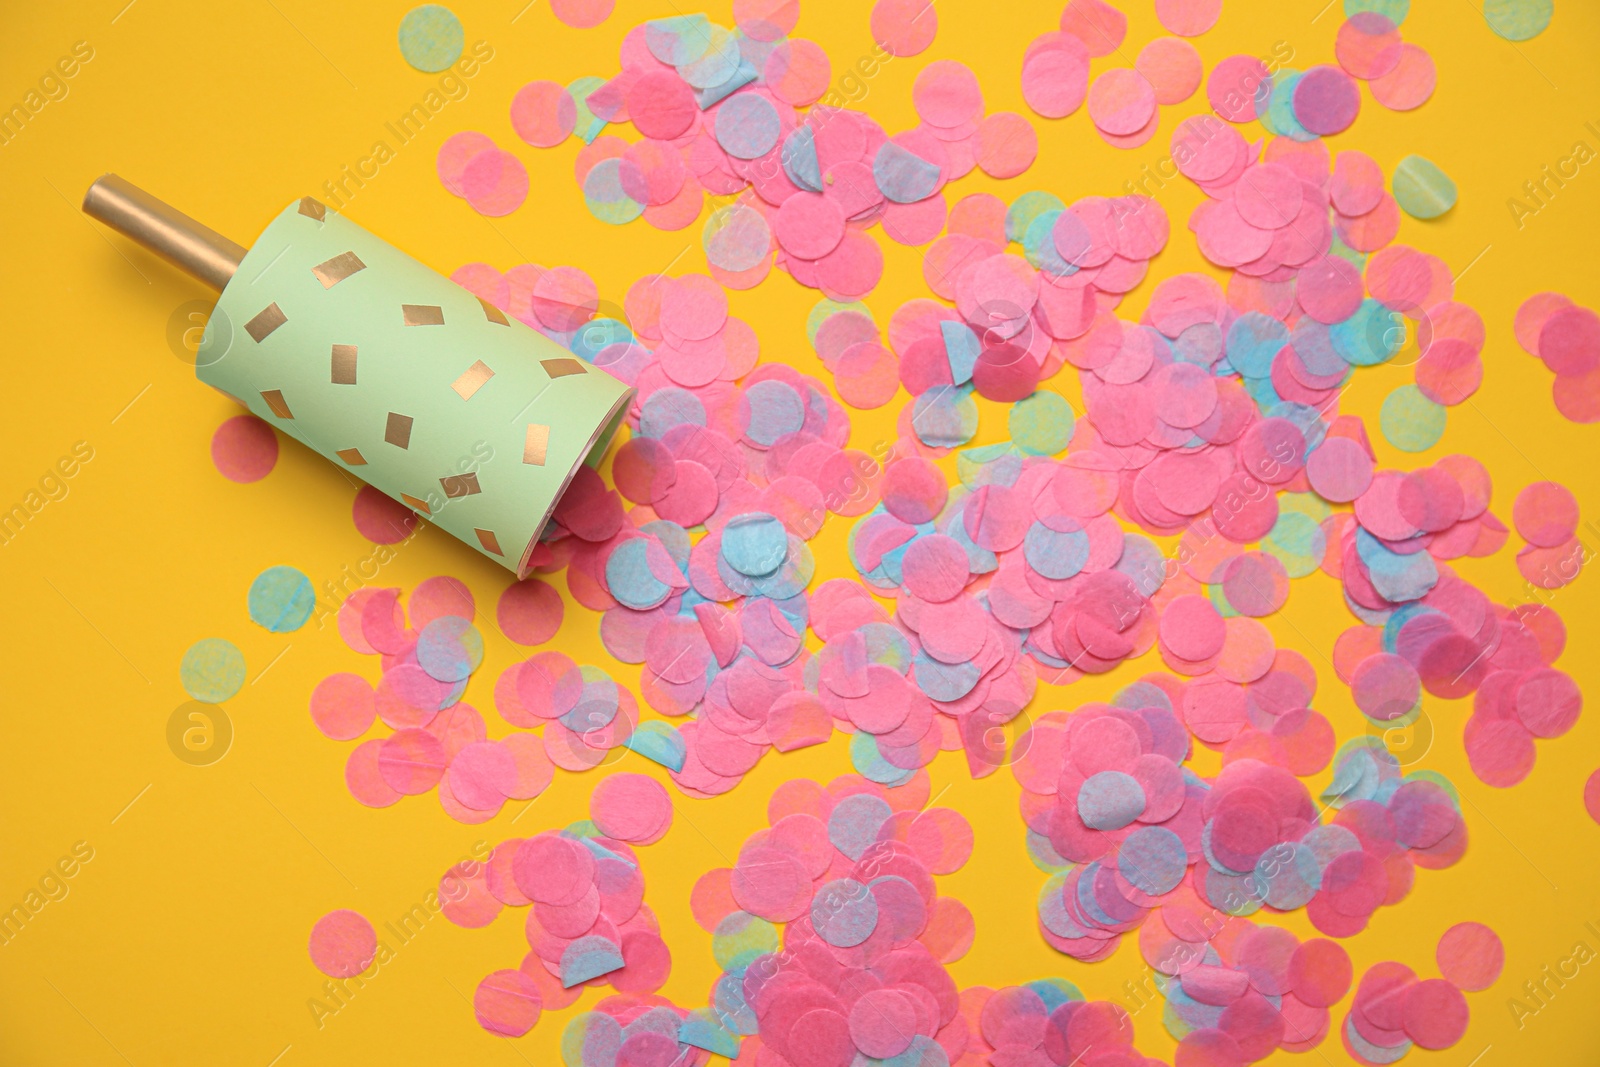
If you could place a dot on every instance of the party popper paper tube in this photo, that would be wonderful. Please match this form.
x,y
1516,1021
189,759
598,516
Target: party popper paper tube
x,y
408,381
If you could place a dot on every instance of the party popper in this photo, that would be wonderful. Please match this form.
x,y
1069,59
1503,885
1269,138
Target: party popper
x,y
387,368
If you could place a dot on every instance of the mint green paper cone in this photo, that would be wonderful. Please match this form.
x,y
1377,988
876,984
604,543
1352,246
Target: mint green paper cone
x,y
408,381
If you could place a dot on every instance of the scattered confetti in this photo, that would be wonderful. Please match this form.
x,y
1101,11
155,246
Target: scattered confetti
x,y
1209,420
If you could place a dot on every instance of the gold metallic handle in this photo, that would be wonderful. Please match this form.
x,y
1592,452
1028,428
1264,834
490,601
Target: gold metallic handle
x,y
188,245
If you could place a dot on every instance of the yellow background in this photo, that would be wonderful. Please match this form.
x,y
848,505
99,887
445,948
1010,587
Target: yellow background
x,y
183,941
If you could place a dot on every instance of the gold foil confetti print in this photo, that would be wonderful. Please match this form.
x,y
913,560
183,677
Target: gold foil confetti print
x,y
536,444
275,401
344,365
493,313
459,485
560,368
472,379
269,319
423,314
398,430
337,269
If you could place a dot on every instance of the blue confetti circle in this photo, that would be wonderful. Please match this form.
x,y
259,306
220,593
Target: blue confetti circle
x,y
281,599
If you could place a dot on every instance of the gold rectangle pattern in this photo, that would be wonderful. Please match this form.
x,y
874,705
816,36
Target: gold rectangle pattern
x,y
459,485
337,269
536,445
312,208
397,431
352,457
493,313
415,504
488,540
423,314
267,320
275,401
344,365
560,368
472,379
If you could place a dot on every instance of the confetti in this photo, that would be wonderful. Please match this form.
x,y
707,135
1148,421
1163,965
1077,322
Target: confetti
x,y
1470,956
1518,20
431,37
1172,67
244,449
583,14
212,670
543,113
1409,85
342,706
1422,190
343,944
1410,421
904,27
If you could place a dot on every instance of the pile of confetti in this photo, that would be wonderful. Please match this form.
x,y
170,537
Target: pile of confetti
x,y
1212,420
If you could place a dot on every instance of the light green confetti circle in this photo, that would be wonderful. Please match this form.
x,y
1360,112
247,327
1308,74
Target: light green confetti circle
x,y
1394,10
587,125
1422,190
605,196
1042,423
212,670
1296,540
431,37
1410,421
1027,207
827,309
740,937
1518,20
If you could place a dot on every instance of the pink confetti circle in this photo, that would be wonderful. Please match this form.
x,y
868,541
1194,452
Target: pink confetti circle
x,y
543,113
1470,956
530,612
244,449
343,944
342,706
582,14
904,27
508,1003
381,519
1188,18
